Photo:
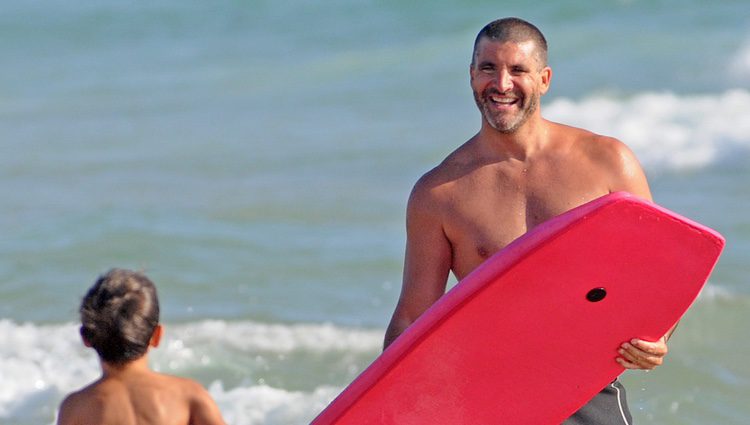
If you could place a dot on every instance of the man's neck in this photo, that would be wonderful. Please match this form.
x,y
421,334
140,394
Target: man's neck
x,y
520,144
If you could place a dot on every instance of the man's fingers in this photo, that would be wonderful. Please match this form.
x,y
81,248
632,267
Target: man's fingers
x,y
640,354
626,364
631,361
658,348
642,359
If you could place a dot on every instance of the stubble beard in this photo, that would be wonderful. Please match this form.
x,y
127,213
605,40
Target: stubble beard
x,y
501,121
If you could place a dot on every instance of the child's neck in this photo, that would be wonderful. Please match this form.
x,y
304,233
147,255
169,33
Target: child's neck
x,y
112,370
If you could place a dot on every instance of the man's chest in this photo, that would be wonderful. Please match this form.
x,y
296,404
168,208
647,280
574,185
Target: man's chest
x,y
480,222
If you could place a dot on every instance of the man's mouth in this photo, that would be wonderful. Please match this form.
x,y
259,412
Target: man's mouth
x,y
502,100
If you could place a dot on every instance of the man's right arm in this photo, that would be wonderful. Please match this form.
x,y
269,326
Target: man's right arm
x,y
427,261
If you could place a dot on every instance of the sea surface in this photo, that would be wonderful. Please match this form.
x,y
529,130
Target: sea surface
x,y
254,159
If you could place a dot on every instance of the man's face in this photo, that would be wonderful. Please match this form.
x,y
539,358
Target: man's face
x,y
508,82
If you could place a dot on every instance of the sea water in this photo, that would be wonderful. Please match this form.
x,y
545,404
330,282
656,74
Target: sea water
x,y
254,159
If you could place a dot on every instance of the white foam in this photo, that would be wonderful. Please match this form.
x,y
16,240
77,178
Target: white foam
x,y
666,131
39,364
37,361
714,292
278,338
739,66
252,345
265,405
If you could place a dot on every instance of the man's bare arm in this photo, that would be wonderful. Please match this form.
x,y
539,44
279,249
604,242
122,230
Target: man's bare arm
x,y
637,353
427,261
627,174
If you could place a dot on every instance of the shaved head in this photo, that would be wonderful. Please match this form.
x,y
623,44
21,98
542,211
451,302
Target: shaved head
x,y
514,30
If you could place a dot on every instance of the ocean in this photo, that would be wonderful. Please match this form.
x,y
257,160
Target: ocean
x,y
254,159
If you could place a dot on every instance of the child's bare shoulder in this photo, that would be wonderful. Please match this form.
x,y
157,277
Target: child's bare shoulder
x,y
195,393
203,408
82,406
178,384
70,408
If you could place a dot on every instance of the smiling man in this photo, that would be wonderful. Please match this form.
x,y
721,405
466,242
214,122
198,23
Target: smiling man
x,y
518,171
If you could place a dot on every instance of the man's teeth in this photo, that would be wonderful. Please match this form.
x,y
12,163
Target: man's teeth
x,y
503,100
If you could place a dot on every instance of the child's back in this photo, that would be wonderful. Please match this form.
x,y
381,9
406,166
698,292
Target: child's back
x,y
142,398
129,393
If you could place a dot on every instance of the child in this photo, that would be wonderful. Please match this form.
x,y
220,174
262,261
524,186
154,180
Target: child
x,y
120,320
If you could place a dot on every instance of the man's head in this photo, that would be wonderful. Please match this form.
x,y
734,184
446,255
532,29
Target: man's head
x,y
509,74
515,30
119,316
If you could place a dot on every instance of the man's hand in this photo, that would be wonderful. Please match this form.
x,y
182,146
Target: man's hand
x,y
644,355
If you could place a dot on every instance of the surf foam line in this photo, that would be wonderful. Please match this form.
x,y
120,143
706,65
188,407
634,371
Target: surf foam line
x,y
739,66
281,338
666,131
261,404
40,363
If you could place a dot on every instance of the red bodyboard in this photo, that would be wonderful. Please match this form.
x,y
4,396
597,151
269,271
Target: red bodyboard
x,y
523,339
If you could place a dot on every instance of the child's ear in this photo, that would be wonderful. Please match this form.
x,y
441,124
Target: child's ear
x,y
83,337
156,336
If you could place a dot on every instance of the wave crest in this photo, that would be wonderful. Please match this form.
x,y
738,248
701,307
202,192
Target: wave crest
x,y
667,131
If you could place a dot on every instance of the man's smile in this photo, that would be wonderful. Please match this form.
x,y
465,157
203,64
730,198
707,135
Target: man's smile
x,y
502,101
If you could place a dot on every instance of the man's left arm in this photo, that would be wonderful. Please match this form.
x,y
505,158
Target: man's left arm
x,y
629,177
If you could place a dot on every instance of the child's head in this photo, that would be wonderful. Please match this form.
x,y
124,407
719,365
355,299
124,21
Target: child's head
x,y
119,315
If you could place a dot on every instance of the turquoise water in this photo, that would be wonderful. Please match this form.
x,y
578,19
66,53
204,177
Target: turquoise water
x,y
254,159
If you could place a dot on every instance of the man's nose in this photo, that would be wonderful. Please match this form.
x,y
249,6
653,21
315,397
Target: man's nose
x,y
504,81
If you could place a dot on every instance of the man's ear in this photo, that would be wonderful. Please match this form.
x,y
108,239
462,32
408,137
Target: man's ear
x,y
156,336
546,76
83,337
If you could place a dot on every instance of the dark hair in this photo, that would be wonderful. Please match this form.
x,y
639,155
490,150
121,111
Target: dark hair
x,y
119,314
515,30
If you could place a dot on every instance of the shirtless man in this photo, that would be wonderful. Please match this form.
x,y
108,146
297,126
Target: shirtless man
x,y
120,320
517,172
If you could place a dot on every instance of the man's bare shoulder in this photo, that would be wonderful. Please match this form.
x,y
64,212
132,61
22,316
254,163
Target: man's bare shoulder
x,y
606,157
440,179
596,147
